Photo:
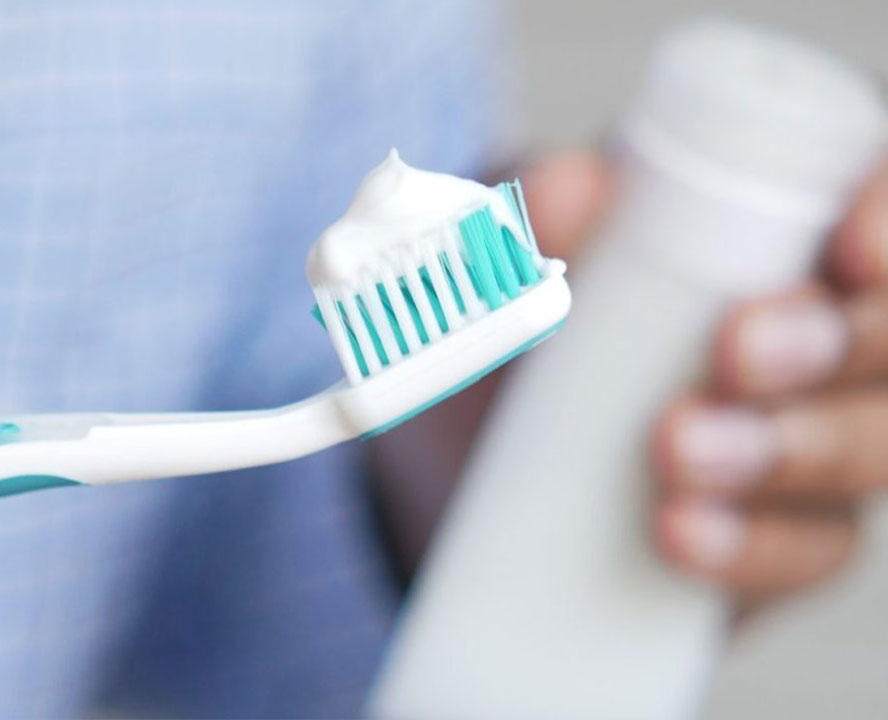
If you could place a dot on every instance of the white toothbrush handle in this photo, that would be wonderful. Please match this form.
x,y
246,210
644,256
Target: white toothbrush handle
x,y
39,451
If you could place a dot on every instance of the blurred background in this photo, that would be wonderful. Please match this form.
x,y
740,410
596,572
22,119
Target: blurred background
x,y
578,61
825,653
139,134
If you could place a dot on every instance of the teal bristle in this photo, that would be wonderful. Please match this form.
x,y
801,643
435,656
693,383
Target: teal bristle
x,y
498,266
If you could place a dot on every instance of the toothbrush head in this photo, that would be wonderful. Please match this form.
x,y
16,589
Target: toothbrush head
x,y
440,306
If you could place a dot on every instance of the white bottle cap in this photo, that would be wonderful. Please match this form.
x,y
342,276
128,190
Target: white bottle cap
x,y
764,123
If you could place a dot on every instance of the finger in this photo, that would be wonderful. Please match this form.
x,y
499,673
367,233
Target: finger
x,y
858,253
719,450
566,196
801,340
820,450
866,317
753,554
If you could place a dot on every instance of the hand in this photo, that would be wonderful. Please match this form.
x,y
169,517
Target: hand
x,y
765,468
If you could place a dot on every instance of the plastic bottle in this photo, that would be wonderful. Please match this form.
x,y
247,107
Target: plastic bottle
x,y
542,597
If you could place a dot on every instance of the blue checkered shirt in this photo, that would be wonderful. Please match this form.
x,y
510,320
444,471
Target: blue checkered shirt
x,y
163,167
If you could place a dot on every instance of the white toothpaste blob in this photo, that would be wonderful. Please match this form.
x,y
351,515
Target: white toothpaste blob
x,y
395,208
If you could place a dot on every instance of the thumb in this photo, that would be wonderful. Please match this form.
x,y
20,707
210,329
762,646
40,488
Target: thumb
x,y
566,194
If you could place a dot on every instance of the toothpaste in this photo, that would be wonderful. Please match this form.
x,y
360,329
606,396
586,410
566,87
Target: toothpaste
x,y
395,207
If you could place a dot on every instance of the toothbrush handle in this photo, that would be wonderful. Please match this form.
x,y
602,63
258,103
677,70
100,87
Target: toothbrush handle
x,y
39,451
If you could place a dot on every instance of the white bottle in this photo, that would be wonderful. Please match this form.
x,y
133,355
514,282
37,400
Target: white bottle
x,y
542,597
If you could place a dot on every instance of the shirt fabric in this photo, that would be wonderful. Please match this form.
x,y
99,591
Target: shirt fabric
x,y
163,169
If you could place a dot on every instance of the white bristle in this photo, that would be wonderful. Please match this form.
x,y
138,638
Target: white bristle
x,y
420,298
441,286
402,313
338,337
362,334
474,307
381,321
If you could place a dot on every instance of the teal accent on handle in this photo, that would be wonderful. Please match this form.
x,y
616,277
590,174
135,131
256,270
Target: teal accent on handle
x,y
27,483
8,431
471,380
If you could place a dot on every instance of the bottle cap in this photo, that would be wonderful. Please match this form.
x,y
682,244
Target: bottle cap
x,y
762,121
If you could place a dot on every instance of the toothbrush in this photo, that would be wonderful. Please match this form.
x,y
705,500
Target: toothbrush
x,y
425,285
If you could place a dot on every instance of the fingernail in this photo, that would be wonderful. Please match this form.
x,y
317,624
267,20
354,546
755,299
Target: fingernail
x,y
711,536
723,446
792,346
